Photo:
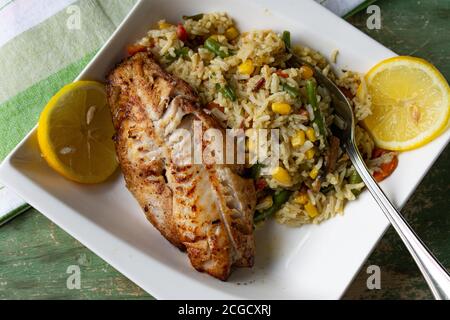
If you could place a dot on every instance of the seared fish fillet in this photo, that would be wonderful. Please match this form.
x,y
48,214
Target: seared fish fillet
x,y
206,210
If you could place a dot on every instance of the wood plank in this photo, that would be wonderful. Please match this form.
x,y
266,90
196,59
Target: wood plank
x,y
35,253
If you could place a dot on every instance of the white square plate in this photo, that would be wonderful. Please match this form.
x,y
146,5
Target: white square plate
x,y
313,262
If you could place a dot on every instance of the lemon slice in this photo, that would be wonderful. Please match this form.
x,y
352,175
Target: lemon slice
x,y
75,133
410,103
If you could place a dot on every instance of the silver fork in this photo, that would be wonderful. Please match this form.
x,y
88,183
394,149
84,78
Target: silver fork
x,y
435,274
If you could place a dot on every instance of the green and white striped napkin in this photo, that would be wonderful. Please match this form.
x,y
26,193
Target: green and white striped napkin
x,y
40,53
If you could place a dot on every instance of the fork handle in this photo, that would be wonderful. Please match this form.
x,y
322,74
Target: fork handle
x,y
435,274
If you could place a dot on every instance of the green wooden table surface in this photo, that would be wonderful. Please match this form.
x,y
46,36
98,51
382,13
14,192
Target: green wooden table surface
x,y
35,253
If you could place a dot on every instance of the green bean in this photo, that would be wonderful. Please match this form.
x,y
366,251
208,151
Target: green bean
x,y
183,52
214,46
355,178
312,99
279,199
229,93
255,171
294,92
196,17
287,39
327,189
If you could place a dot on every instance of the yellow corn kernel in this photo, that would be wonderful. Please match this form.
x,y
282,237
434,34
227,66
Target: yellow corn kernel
x,y
282,108
299,139
282,177
247,68
302,199
310,154
311,210
307,72
164,25
232,33
314,173
265,204
311,134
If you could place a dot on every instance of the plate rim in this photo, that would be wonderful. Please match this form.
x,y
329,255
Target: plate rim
x,y
8,171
